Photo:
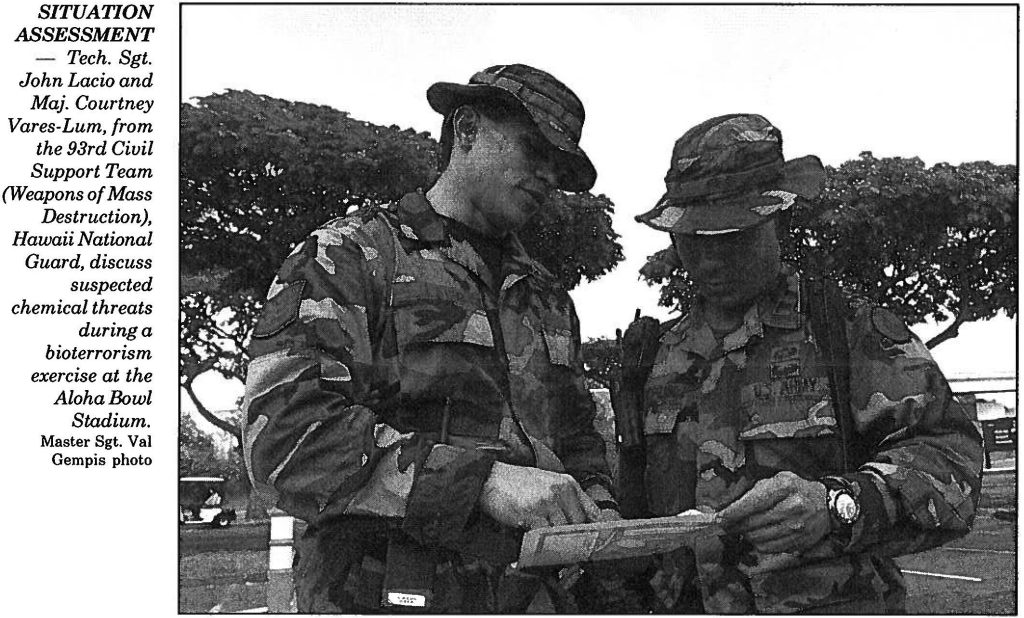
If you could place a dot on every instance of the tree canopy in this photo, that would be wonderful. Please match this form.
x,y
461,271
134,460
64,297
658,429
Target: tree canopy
x,y
936,243
258,174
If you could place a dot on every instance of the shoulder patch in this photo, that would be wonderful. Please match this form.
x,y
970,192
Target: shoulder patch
x,y
280,311
890,325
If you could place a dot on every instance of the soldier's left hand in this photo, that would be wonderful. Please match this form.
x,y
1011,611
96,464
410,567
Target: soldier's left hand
x,y
784,513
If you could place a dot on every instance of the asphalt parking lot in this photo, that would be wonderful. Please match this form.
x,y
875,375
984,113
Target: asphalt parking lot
x,y
978,573
974,575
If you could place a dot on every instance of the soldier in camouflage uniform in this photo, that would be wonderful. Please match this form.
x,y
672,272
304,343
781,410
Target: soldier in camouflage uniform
x,y
822,470
416,391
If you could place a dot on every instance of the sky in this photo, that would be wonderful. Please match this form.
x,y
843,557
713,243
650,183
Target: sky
x,y
937,82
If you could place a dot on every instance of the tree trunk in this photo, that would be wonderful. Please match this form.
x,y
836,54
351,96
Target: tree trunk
x,y
255,510
950,332
216,421
962,316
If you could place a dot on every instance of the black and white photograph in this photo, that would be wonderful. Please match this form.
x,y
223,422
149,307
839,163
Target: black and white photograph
x,y
597,309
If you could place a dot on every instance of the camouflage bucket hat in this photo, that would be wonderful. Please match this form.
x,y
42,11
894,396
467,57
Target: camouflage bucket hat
x,y
728,174
556,110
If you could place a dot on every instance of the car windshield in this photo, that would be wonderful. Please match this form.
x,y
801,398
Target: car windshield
x,y
194,491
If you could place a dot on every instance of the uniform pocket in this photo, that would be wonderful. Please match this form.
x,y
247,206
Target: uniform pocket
x,y
670,473
440,320
847,585
557,332
791,429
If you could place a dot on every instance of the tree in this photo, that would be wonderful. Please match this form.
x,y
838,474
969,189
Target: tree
x,y
572,236
198,454
935,243
600,362
258,174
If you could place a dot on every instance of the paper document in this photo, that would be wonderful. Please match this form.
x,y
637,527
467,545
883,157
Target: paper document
x,y
627,538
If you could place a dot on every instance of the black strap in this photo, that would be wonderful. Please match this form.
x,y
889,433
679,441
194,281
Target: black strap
x,y
627,397
826,310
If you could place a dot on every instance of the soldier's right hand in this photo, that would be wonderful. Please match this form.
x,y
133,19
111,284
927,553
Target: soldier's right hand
x,y
527,498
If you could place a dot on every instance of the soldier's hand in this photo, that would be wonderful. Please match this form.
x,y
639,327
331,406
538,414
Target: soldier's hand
x,y
784,513
527,498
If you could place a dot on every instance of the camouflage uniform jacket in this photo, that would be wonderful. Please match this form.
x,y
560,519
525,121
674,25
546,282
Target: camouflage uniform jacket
x,y
721,415
389,371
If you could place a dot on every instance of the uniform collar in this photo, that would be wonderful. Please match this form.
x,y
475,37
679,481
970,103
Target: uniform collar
x,y
418,221
778,307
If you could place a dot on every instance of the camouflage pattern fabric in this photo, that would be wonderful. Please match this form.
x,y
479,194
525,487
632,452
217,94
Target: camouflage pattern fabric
x,y
721,415
380,336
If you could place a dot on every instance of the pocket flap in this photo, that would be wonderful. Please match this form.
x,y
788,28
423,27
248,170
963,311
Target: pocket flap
x,y
442,321
661,421
559,343
849,582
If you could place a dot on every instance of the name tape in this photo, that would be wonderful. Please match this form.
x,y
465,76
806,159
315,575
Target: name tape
x,y
407,600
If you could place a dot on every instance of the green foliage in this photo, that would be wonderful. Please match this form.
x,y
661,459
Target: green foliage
x,y
600,362
663,268
936,243
573,237
258,174
198,454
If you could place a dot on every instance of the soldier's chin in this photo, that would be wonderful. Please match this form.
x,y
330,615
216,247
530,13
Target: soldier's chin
x,y
727,298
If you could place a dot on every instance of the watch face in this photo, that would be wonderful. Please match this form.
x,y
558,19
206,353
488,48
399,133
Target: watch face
x,y
846,507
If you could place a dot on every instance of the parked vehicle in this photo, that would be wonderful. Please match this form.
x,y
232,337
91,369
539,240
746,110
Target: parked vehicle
x,y
200,501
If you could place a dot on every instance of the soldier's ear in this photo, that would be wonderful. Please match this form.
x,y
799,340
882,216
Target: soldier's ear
x,y
466,126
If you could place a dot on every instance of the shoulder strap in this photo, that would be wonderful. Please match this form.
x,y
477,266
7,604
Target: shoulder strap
x,y
826,310
389,277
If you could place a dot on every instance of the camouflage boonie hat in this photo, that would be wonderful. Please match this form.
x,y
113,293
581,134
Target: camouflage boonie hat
x,y
728,174
554,108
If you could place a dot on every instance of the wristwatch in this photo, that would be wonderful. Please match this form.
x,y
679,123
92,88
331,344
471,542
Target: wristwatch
x,y
843,506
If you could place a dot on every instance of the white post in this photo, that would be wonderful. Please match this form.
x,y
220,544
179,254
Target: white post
x,y
280,587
